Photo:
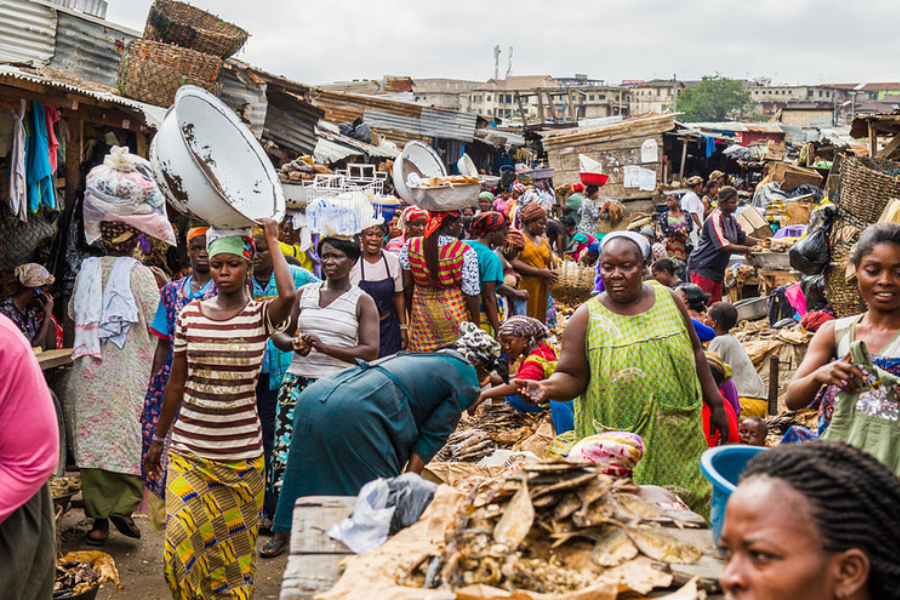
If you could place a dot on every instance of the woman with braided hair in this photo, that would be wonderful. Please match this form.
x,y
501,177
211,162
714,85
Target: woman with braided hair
x,y
836,534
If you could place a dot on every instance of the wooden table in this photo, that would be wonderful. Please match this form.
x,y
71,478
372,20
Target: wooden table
x,y
50,359
772,278
312,565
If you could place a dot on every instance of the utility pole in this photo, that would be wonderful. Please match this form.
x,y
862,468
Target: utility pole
x,y
496,63
509,56
674,91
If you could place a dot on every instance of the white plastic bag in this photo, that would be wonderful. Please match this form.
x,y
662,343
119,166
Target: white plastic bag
x,y
370,523
123,189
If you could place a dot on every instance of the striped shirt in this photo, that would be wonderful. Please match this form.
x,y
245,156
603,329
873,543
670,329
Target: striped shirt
x,y
218,418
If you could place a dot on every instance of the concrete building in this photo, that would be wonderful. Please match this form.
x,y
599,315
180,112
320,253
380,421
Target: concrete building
x,y
442,93
654,96
773,98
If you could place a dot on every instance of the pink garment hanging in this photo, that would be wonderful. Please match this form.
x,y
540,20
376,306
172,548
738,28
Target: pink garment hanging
x,y
52,118
795,296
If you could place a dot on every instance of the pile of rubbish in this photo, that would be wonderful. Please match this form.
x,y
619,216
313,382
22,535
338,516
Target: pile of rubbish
x,y
555,527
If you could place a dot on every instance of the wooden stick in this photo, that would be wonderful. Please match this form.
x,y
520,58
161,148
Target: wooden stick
x,y
773,385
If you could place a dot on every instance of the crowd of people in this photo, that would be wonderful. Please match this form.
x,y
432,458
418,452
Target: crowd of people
x,y
252,381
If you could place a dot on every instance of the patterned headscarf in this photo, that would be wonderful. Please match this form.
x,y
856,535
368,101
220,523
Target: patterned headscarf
x,y
478,346
33,275
195,232
488,222
118,236
436,219
410,214
517,187
239,245
718,366
531,213
515,240
524,327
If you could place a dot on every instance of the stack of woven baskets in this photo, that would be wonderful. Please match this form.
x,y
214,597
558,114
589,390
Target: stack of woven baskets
x,y
865,188
182,45
574,284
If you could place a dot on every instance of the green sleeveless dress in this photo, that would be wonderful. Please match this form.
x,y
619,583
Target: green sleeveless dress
x,y
644,380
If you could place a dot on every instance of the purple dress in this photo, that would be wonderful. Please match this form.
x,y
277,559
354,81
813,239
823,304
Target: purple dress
x,y
172,298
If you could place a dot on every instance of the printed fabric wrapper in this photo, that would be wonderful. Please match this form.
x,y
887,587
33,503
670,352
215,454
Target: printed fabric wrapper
x,y
122,189
617,452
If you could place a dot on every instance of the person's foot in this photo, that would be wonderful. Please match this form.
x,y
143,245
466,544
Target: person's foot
x,y
99,533
265,525
125,525
275,546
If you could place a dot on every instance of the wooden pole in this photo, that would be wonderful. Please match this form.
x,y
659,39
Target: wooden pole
x,y
773,384
521,110
873,140
74,149
542,115
683,160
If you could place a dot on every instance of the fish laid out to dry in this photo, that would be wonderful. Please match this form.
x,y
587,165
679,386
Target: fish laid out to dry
x,y
492,427
554,527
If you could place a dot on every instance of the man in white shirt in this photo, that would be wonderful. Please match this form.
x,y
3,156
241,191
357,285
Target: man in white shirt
x,y
693,205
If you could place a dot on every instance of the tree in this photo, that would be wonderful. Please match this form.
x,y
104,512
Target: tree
x,y
715,98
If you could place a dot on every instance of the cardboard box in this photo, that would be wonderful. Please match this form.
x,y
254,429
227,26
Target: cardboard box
x,y
791,176
754,223
775,150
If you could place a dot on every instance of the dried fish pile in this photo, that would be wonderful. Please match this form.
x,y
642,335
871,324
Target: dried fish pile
x,y
492,427
554,527
74,577
61,486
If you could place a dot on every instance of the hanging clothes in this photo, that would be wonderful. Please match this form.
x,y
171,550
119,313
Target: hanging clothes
x,y
18,181
53,146
40,186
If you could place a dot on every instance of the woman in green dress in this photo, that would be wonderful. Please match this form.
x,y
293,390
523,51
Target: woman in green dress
x,y
633,362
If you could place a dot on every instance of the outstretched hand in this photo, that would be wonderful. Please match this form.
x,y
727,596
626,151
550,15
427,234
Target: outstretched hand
x,y
532,392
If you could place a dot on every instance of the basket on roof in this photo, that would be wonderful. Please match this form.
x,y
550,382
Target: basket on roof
x,y
189,27
575,283
153,72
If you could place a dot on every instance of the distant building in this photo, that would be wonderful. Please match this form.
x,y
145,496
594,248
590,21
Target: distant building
x,y
442,93
655,96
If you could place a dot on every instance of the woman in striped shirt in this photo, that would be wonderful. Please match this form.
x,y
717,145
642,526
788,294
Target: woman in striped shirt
x,y
215,483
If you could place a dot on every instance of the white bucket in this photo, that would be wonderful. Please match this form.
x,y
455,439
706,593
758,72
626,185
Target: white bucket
x,y
416,158
211,167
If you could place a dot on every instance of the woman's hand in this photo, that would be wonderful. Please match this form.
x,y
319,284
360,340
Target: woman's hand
x,y
161,278
404,339
532,392
301,346
549,276
522,295
270,229
313,342
46,301
152,461
839,373
718,424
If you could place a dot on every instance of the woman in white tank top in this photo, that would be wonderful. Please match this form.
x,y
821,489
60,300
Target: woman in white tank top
x,y
336,323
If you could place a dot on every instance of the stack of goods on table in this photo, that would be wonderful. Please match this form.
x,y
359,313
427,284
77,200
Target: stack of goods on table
x,y
182,45
865,187
492,427
558,527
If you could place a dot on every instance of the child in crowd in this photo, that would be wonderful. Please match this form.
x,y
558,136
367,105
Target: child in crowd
x,y
722,375
753,431
722,317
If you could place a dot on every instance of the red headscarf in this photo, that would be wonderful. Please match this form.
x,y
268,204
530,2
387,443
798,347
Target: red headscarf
x,y
436,219
488,222
578,187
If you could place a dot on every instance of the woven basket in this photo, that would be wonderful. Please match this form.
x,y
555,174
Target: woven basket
x,y
574,285
189,27
865,187
152,72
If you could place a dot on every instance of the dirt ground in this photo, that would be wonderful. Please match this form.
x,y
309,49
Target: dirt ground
x,y
140,562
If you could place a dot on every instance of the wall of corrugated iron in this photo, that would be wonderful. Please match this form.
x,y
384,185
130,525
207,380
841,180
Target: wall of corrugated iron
x,y
89,48
27,32
247,98
92,7
432,123
291,123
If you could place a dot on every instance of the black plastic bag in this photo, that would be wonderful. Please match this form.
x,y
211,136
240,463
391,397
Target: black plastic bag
x,y
411,495
810,255
821,218
813,288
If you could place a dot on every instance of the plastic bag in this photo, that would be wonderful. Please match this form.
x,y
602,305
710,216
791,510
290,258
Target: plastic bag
x,y
813,287
810,255
123,189
370,523
616,452
410,495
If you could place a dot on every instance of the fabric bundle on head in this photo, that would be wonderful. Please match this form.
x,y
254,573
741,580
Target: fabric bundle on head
x,y
239,242
478,346
196,232
33,275
436,219
634,236
716,174
343,216
489,222
531,213
524,327
118,236
617,453
515,240
693,181
578,188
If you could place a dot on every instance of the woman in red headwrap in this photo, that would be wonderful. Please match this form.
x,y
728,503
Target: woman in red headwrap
x,y
441,282
412,223
536,261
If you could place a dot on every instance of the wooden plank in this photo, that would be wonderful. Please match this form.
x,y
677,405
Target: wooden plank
x,y
683,159
873,140
310,574
541,114
50,359
890,148
312,516
74,157
521,110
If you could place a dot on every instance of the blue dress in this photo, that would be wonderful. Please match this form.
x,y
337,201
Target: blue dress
x,y
366,422
172,298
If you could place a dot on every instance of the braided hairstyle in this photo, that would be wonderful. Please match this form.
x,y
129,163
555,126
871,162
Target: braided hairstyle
x,y
855,501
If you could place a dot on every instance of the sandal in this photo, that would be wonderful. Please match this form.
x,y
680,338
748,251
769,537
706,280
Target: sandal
x,y
125,525
265,526
273,548
95,541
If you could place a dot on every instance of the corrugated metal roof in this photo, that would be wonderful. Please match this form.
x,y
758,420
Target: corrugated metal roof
x,y
432,123
90,48
247,98
738,127
153,115
328,152
92,7
27,32
291,122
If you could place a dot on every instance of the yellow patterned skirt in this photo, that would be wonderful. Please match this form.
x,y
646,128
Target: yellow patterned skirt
x,y
437,317
212,515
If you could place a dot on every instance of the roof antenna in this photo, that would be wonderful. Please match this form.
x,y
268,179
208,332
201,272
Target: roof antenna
x,y
509,62
496,62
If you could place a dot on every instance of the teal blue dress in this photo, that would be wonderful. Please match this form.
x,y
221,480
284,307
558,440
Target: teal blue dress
x,y
366,421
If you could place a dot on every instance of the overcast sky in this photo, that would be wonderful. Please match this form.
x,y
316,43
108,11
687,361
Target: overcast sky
x,y
791,41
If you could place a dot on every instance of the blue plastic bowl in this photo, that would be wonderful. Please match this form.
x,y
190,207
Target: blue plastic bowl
x,y
723,466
